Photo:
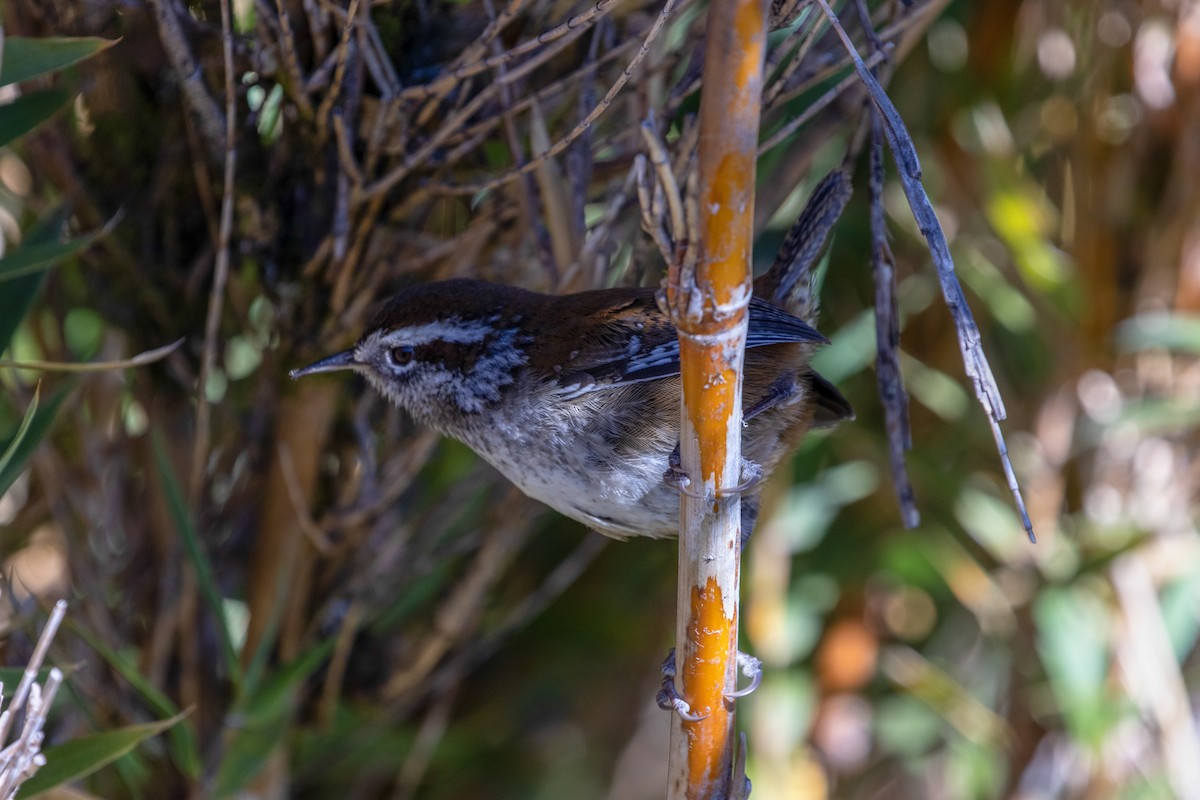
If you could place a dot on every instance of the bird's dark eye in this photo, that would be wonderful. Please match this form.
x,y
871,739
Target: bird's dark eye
x,y
401,355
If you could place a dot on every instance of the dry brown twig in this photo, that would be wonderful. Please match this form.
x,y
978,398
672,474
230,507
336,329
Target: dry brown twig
x,y
291,62
788,129
216,300
325,110
570,29
389,181
205,110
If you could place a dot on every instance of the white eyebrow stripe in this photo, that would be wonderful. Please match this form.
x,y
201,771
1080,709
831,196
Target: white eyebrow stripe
x,y
450,330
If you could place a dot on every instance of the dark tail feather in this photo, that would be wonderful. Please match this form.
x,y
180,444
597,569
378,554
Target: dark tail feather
x,y
830,405
788,283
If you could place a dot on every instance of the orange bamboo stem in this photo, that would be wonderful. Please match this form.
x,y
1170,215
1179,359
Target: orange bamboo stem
x,y
708,300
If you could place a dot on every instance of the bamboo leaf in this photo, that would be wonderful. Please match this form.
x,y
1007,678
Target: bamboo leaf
x,y
29,259
26,58
29,111
18,294
265,713
10,450
33,428
205,575
184,749
73,760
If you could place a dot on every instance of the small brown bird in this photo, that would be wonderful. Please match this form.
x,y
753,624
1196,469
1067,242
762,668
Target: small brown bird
x,y
575,398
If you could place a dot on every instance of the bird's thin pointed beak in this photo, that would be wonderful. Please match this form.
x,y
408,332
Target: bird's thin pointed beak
x,y
333,363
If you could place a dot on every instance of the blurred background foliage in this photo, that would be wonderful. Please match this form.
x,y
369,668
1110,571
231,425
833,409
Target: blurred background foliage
x,y
352,608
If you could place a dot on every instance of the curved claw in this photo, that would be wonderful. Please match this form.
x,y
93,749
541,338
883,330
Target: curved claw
x,y
679,706
668,699
680,482
752,668
752,476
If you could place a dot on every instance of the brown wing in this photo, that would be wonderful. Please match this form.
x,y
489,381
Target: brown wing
x,y
634,342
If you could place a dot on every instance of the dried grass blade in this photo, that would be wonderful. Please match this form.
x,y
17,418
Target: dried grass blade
x,y
969,339
140,360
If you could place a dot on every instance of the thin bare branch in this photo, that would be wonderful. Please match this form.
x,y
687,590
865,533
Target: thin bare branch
x,y
666,178
386,183
316,536
572,29
216,298
324,111
205,110
291,63
785,132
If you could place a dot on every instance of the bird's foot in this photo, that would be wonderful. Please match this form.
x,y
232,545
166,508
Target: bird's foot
x,y
668,699
751,667
752,475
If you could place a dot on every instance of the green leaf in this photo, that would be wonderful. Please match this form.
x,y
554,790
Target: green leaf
x,y
1177,332
11,676
29,259
1072,639
27,58
200,562
265,714
29,111
73,760
17,450
9,455
18,293
183,743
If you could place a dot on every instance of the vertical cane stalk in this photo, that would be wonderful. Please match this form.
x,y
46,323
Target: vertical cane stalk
x,y
708,297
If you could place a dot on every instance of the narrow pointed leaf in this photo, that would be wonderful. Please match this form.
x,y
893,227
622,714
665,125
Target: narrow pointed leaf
x,y
183,747
17,295
205,576
28,259
266,713
27,58
77,758
15,452
29,111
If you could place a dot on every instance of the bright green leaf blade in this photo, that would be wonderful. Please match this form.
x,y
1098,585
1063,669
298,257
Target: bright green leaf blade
x,y
200,561
28,259
18,294
20,447
73,760
27,58
29,111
